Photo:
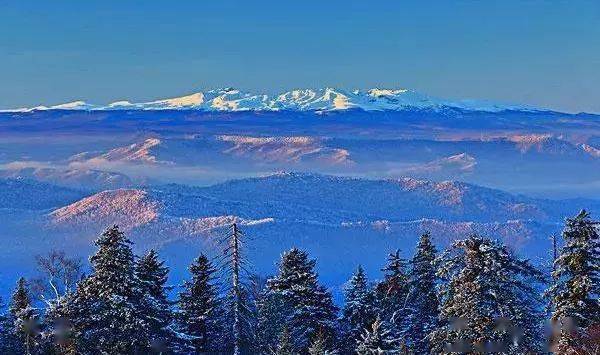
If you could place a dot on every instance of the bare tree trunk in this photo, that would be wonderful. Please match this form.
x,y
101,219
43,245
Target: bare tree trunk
x,y
235,244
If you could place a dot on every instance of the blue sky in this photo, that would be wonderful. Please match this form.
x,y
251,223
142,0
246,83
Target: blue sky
x,y
544,53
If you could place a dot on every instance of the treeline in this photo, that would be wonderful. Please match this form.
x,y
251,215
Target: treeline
x,y
474,297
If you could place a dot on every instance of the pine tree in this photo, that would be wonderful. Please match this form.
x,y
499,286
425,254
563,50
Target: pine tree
x,y
378,340
423,300
246,317
359,310
58,332
255,292
575,292
392,294
106,310
9,343
199,307
486,294
153,276
272,315
300,303
25,318
320,345
4,329
285,344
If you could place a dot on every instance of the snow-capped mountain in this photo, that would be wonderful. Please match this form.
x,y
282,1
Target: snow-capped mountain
x,y
75,105
326,99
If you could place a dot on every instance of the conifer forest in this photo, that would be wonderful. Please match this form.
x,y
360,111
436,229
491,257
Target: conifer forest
x,y
475,297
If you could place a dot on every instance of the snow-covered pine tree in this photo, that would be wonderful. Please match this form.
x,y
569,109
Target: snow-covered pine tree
x,y
4,333
307,306
58,335
576,288
321,346
153,275
423,317
105,312
247,322
26,320
318,346
272,313
486,294
9,343
359,310
285,345
392,294
255,289
199,307
378,339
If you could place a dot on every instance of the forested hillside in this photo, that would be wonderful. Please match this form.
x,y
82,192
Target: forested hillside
x,y
474,296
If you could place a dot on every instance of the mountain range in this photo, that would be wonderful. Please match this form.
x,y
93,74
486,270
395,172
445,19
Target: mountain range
x,y
342,221
326,99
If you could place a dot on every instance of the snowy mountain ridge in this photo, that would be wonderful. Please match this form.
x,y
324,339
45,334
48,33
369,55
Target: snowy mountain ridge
x,y
364,219
324,99
311,197
288,208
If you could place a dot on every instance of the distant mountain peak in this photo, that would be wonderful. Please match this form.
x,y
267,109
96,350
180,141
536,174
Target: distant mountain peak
x,y
318,100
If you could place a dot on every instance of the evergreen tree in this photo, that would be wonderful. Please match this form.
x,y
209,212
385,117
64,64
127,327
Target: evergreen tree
x,y
272,315
575,292
199,307
423,300
9,343
246,317
58,333
302,305
255,292
25,318
320,345
378,340
285,344
106,311
392,294
487,294
359,310
153,276
4,329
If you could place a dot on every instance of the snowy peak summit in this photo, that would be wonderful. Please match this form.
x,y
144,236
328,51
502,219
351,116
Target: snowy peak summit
x,y
324,99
